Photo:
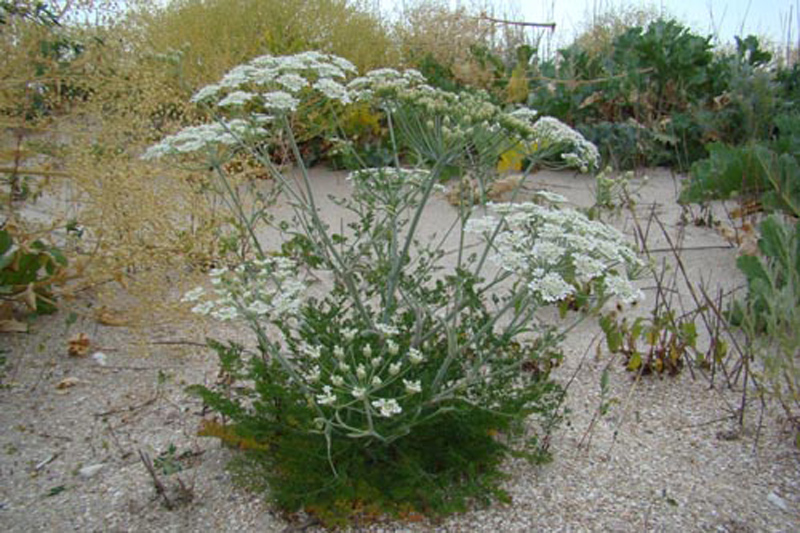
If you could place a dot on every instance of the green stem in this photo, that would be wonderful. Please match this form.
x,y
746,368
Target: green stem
x,y
238,208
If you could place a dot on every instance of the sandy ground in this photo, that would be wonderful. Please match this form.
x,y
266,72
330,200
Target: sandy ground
x,y
667,457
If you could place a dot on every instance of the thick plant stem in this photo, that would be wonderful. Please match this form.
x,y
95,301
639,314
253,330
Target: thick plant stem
x,y
236,205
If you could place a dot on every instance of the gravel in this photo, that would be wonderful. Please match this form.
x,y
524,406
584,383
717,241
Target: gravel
x,y
668,456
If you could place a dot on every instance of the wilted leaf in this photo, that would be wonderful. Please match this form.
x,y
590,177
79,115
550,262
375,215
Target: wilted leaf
x,y
592,99
511,160
79,345
518,87
111,318
227,434
604,380
30,297
67,383
635,361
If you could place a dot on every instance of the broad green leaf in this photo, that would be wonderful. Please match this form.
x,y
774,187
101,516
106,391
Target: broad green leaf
x,y
689,333
751,267
773,239
635,362
5,241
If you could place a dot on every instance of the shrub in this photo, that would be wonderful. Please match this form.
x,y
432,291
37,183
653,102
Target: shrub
x,y
767,171
770,313
215,35
402,385
457,48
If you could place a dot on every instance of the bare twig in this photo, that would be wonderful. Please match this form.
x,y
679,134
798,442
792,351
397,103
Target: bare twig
x,y
160,488
129,408
692,248
179,343
34,172
548,25
45,462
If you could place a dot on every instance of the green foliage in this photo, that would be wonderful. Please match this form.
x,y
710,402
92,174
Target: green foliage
x,y
614,193
3,363
767,171
665,337
437,74
771,275
656,94
787,79
770,313
443,465
362,142
28,269
39,12
168,462
728,172
667,59
628,145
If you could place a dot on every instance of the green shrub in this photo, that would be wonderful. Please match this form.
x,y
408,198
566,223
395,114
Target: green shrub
x,y
768,171
657,94
770,313
405,381
729,171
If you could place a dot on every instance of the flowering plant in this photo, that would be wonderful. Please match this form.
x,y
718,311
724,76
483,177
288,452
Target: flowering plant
x,y
396,381
553,142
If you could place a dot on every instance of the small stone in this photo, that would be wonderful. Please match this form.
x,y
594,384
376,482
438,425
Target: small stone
x,y
777,501
89,471
100,358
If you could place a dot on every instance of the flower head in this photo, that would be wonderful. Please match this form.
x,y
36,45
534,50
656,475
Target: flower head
x,y
358,393
415,356
327,397
412,387
387,408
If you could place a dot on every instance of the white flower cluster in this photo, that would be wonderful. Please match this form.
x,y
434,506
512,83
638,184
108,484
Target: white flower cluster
x,y
559,252
389,176
276,81
202,137
385,83
266,86
525,114
582,154
462,115
353,374
259,289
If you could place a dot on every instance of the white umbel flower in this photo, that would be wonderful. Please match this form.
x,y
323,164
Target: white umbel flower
x,y
387,408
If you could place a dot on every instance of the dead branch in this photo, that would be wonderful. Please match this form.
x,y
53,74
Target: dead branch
x,y
549,25
34,172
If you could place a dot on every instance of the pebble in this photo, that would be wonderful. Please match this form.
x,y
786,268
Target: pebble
x,y
777,501
89,471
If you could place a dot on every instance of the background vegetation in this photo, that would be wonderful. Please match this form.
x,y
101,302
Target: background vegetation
x,y
86,86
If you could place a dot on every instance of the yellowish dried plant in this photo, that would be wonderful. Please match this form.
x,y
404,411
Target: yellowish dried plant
x,y
213,36
433,29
